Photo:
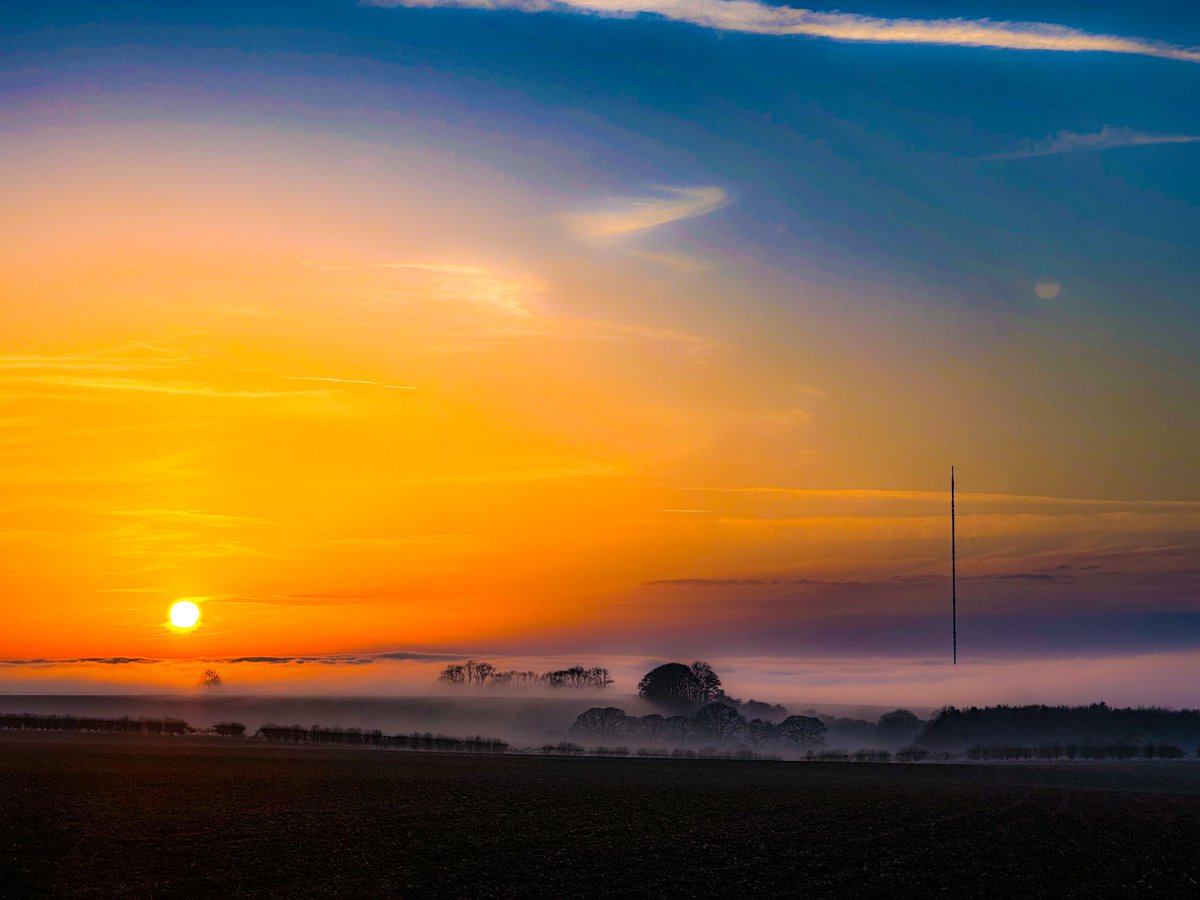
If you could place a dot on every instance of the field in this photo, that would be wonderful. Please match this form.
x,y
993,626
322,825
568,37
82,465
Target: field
x,y
100,816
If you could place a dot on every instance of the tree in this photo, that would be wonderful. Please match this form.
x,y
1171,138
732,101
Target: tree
x,y
899,727
600,722
649,727
757,709
760,732
210,679
720,720
677,729
453,674
671,684
598,677
708,684
803,729
477,672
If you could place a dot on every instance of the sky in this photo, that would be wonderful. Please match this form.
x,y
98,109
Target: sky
x,y
609,331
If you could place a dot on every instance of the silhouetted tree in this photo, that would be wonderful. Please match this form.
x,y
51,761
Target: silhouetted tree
x,y
899,727
671,684
598,677
720,720
760,732
230,729
677,729
477,672
210,679
803,729
649,727
757,709
600,722
708,684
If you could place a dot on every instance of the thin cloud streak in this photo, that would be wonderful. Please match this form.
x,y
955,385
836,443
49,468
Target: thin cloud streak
x,y
188,389
1105,139
328,659
760,18
924,496
630,215
38,362
359,381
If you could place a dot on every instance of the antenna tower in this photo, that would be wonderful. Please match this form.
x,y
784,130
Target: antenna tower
x,y
953,579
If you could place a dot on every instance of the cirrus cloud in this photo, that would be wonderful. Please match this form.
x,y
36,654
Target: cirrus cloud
x,y
1105,139
761,18
630,215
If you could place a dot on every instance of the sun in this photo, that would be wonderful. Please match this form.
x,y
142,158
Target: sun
x,y
185,614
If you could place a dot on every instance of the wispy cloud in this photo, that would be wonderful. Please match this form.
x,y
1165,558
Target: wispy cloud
x,y
603,330
36,362
475,284
198,516
353,381
500,306
629,215
925,496
328,659
679,262
1104,139
761,18
189,389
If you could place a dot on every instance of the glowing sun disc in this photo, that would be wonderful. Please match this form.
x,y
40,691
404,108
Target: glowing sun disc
x,y
185,614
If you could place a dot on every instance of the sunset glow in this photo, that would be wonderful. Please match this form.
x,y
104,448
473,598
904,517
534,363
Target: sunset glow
x,y
379,356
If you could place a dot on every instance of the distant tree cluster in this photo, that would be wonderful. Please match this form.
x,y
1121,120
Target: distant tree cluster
x,y
1096,725
566,748
675,685
124,725
1076,751
682,688
481,674
716,724
298,734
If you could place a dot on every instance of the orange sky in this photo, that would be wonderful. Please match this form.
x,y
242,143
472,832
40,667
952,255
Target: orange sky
x,y
318,384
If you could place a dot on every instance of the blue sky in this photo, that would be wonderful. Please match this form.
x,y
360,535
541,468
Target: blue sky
x,y
863,155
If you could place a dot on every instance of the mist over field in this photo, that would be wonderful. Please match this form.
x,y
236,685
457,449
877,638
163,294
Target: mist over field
x,y
521,720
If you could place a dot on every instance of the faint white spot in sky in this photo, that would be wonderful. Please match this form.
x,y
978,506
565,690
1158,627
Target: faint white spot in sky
x,y
1047,290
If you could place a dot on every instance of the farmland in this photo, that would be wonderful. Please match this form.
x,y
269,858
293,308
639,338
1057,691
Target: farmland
x,y
111,815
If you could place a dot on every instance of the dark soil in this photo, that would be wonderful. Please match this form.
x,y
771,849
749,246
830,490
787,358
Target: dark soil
x,y
85,816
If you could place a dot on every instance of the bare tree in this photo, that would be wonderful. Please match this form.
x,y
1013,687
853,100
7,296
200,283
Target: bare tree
x,y
210,679
803,729
478,672
598,677
453,674
720,720
708,683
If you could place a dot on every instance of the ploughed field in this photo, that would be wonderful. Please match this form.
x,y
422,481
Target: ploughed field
x,y
101,815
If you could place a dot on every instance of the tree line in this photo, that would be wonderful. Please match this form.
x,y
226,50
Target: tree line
x,y
123,725
481,674
298,734
1095,725
1076,751
714,723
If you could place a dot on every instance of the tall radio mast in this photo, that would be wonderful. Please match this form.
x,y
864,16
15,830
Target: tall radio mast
x,y
953,579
